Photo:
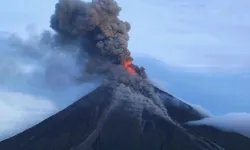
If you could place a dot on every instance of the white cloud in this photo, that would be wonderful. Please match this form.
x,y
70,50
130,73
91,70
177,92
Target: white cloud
x,y
19,111
235,122
201,109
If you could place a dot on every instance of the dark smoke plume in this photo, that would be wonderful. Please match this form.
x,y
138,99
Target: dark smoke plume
x,y
104,37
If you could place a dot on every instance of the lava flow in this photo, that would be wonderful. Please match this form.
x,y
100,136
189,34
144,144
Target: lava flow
x,y
129,68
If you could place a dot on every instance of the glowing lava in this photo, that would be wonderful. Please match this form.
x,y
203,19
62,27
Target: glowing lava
x,y
129,68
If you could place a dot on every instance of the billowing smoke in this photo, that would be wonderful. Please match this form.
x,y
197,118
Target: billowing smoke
x,y
103,36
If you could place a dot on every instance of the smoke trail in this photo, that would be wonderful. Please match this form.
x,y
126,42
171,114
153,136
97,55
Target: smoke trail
x,y
32,66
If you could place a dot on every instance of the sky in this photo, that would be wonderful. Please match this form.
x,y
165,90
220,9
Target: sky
x,y
198,50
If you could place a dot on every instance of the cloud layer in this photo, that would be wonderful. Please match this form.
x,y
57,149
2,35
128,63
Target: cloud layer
x,y
233,122
19,111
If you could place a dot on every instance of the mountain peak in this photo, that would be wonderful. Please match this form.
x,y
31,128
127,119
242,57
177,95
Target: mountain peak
x,y
100,121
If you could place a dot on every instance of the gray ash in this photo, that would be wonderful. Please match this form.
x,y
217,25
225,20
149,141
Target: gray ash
x,y
104,37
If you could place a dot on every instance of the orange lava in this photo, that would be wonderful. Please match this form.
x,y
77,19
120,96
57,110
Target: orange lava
x,y
129,68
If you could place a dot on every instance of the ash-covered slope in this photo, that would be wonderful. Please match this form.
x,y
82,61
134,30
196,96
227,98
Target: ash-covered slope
x,y
99,122
178,110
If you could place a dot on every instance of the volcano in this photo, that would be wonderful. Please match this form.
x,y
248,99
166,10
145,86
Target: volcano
x,y
126,112
98,121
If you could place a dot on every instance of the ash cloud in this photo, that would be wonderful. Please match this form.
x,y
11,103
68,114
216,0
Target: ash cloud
x,y
103,36
103,39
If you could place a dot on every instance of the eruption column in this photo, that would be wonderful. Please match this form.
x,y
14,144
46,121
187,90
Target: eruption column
x,y
104,36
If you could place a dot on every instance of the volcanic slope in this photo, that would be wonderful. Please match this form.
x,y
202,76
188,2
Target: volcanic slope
x,y
100,122
182,113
